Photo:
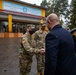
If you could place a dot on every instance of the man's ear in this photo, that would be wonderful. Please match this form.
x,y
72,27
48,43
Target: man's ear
x,y
49,22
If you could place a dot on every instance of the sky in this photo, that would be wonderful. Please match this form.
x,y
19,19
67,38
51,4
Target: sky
x,y
37,2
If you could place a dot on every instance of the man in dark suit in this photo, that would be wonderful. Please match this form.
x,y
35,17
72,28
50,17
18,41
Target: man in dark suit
x,y
60,52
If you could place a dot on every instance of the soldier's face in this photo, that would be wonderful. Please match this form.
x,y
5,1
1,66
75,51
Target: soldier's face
x,y
43,28
32,31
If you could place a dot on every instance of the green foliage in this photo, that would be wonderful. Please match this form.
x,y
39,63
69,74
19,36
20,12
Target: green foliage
x,y
60,7
61,22
71,26
57,6
73,15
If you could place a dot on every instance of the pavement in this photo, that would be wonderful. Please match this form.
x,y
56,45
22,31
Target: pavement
x,y
9,57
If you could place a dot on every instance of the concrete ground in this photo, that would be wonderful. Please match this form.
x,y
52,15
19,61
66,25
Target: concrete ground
x,y
9,57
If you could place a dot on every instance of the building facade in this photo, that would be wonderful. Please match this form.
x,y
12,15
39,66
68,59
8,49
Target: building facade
x,y
14,11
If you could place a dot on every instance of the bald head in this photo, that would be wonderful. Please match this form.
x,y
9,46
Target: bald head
x,y
52,17
52,20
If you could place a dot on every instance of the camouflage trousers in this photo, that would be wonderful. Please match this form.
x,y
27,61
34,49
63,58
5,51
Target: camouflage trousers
x,y
25,66
40,62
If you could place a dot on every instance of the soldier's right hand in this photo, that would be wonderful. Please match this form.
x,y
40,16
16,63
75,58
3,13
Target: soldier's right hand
x,y
42,51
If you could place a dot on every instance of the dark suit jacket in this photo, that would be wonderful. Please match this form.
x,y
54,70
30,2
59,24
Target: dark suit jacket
x,y
74,38
60,53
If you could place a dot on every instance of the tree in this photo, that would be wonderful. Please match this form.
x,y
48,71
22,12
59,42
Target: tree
x,y
57,6
60,7
73,15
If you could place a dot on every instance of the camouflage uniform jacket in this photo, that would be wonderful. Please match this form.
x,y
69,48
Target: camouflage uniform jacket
x,y
27,48
39,37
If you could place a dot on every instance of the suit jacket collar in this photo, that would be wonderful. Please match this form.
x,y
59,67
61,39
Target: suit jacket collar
x,y
57,26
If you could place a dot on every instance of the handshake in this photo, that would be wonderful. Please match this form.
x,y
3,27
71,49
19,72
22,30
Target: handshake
x,y
42,51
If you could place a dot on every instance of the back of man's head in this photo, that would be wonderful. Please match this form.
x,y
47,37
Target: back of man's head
x,y
52,17
52,20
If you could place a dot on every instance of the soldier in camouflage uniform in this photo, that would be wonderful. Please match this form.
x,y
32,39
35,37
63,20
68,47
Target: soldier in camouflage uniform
x,y
39,37
26,52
